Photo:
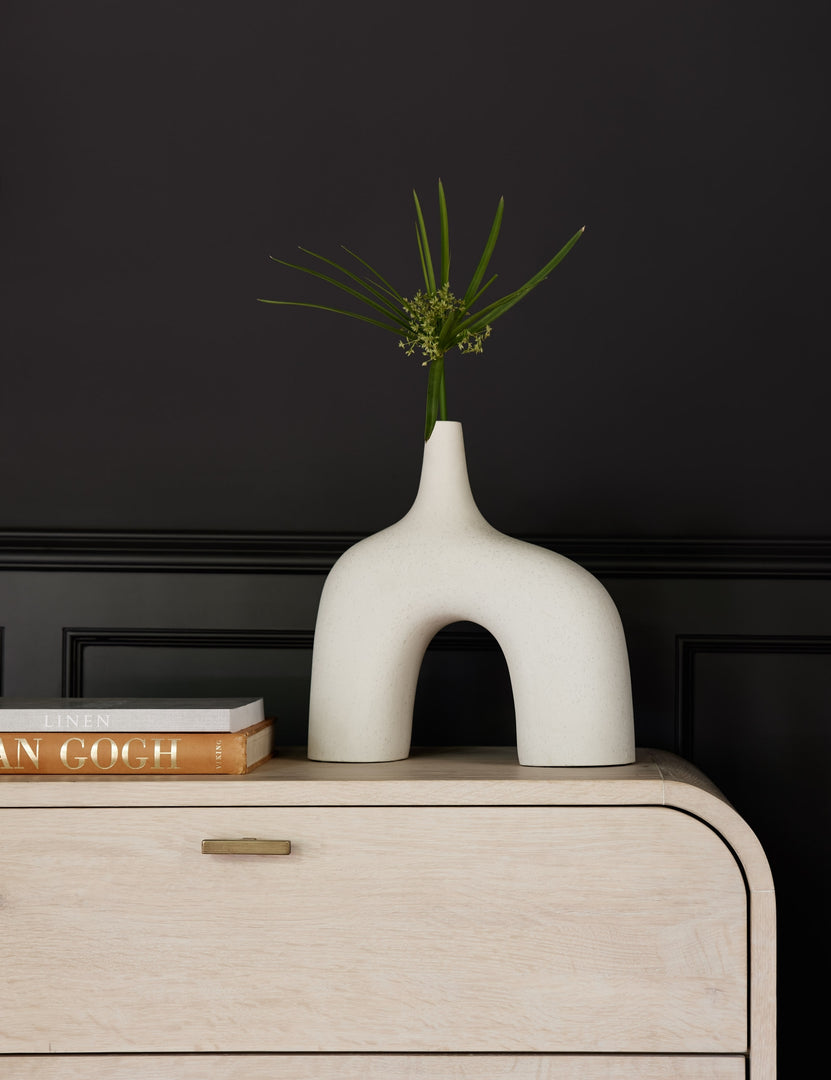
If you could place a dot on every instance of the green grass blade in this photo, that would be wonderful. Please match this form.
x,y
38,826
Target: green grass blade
x,y
390,289
480,317
445,237
424,248
484,288
338,285
493,311
489,315
541,275
423,263
393,310
335,311
479,272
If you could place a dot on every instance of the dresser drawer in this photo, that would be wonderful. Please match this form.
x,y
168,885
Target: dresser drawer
x,y
508,929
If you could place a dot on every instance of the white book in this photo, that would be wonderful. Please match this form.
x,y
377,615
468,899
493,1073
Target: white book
x,y
129,714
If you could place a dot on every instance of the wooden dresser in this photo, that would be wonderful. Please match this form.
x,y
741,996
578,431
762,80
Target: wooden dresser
x,y
454,916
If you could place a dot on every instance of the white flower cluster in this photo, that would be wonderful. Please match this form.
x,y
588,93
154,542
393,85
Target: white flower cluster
x,y
428,314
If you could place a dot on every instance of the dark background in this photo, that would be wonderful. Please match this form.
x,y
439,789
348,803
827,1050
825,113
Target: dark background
x,y
670,378
180,464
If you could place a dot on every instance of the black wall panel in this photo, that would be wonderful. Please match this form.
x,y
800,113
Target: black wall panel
x,y
669,379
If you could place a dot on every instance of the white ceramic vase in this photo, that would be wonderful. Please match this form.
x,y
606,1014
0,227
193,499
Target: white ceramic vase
x,y
386,597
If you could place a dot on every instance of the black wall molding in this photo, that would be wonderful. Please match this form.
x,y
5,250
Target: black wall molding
x,y
77,639
315,553
197,552
690,646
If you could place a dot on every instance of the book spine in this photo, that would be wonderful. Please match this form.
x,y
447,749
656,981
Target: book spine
x,y
127,721
105,723
123,753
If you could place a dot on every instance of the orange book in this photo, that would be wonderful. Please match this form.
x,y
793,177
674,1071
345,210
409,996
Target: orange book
x,y
134,753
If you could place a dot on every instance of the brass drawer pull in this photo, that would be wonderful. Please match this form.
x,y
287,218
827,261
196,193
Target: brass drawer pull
x,y
247,845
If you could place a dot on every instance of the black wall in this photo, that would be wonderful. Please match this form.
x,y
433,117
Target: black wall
x,y
180,464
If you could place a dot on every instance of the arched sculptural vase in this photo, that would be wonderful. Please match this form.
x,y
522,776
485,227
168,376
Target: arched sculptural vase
x,y
386,598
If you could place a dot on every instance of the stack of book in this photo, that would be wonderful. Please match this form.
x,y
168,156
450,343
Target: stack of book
x,y
133,736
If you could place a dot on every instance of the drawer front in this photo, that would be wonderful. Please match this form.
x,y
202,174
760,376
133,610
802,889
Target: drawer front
x,y
376,1067
396,929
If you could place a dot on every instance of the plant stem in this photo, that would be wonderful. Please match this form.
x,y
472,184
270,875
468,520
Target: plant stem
x,y
442,395
436,401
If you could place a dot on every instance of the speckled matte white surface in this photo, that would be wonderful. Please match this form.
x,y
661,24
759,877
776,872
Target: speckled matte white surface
x,y
387,596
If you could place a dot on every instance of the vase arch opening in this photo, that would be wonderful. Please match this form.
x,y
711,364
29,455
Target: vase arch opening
x,y
463,695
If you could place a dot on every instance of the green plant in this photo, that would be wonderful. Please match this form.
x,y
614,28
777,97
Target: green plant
x,y
434,320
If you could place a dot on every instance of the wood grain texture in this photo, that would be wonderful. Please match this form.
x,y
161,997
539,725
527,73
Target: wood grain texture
x,y
446,776
136,931
687,788
377,1067
763,985
479,929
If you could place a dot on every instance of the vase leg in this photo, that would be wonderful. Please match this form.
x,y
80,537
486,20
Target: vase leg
x,y
367,658
565,650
